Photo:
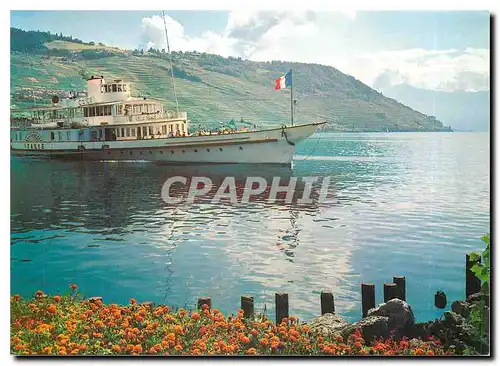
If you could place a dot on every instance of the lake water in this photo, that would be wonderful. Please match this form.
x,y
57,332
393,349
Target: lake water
x,y
410,204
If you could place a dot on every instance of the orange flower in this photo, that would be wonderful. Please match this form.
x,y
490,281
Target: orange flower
x,y
39,293
292,339
419,351
130,347
178,329
430,353
178,348
73,286
139,318
57,298
133,301
195,316
254,332
251,351
138,348
52,308
16,297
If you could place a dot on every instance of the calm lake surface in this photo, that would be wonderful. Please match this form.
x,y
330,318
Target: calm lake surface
x,y
409,204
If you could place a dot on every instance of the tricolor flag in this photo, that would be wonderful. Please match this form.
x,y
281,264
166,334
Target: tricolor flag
x,y
284,81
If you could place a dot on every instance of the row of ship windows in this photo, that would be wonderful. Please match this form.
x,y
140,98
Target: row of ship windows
x,y
171,151
34,146
149,130
104,110
120,132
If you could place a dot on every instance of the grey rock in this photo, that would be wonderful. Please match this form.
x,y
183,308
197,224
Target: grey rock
x,y
327,324
479,296
452,319
371,327
461,308
398,311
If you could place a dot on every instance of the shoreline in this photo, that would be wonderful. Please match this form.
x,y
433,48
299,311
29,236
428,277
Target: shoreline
x,y
74,325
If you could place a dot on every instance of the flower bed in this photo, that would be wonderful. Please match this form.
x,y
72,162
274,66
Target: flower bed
x,y
72,325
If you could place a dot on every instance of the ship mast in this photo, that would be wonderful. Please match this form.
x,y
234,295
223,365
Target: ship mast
x,y
291,94
171,66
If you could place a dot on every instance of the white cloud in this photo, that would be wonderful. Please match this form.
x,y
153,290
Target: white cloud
x,y
444,70
329,38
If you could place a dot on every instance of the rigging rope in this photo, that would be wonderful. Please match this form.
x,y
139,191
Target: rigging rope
x,y
171,67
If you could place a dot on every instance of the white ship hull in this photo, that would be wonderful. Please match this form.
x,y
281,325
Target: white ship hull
x,y
274,146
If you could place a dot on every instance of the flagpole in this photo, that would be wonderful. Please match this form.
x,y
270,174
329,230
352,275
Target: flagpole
x,y
291,95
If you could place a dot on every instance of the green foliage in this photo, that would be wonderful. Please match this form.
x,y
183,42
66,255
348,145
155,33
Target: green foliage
x,y
33,41
482,270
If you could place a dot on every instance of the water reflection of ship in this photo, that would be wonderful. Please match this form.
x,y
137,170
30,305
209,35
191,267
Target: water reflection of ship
x,y
100,196
111,200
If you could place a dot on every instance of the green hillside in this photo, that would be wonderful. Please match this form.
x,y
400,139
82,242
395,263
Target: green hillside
x,y
209,87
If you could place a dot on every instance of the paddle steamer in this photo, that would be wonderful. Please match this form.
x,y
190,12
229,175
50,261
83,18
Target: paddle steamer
x,y
108,123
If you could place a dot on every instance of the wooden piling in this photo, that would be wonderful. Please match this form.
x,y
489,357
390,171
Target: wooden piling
x,y
247,306
327,303
400,282
440,300
367,297
390,291
281,306
204,300
472,283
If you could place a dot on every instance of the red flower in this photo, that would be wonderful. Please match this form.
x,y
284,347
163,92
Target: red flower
x,y
39,293
52,308
73,286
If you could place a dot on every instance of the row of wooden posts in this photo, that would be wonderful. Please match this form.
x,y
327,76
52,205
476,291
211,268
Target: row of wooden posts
x,y
396,289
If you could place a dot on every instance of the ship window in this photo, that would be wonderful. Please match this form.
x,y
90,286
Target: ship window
x,y
59,135
128,132
120,109
123,132
119,87
124,87
100,133
144,130
164,129
182,128
99,111
114,87
151,130
118,132
133,132
171,128
52,136
68,135
92,112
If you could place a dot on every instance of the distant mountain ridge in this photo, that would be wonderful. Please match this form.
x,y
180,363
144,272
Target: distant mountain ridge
x,y
210,88
462,110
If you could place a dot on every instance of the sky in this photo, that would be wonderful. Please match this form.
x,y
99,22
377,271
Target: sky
x,y
434,50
